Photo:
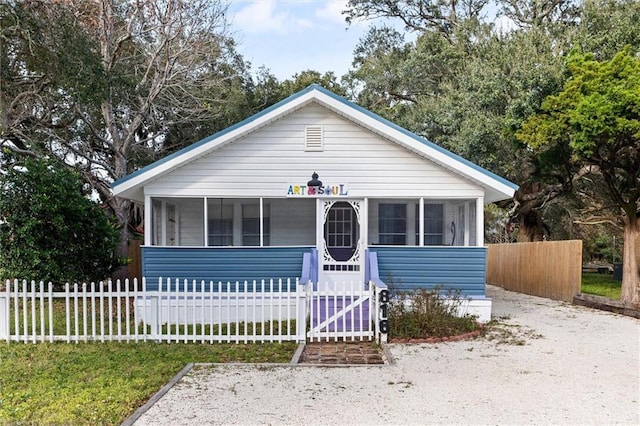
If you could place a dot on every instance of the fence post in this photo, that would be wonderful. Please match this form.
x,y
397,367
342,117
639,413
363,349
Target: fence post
x,y
153,319
301,310
5,299
380,311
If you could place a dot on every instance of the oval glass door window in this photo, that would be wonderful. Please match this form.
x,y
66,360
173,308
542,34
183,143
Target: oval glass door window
x,y
341,231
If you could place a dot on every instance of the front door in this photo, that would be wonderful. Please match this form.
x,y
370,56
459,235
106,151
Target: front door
x,y
340,247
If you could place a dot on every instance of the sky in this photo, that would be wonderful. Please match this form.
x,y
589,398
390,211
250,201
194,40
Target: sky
x,y
290,36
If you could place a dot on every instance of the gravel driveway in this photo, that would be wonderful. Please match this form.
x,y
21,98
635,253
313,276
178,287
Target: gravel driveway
x,y
546,362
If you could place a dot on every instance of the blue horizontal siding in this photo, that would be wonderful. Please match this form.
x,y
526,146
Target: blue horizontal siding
x,y
409,268
221,264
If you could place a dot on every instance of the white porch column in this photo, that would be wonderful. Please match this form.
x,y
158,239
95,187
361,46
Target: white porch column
x,y
480,221
148,227
261,222
364,230
467,224
421,223
206,222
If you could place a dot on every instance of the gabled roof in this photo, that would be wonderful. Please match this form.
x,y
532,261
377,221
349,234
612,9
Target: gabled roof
x,y
497,188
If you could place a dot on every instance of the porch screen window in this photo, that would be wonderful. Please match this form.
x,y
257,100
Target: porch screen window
x,y
251,225
156,225
220,223
164,223
392,224
433,224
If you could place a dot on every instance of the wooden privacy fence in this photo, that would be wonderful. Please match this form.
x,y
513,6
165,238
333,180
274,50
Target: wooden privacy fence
x,y
551,269
183,311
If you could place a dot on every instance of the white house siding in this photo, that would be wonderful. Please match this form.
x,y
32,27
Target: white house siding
x,y
265,161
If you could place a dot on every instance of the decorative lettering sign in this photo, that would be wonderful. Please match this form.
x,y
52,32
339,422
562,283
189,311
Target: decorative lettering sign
x,y
339,190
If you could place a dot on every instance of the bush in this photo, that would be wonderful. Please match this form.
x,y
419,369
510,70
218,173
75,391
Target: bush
x,y
427,313
49,229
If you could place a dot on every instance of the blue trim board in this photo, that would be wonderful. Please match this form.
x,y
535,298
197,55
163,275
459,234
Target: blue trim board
x,y
335,97
409,268
228,264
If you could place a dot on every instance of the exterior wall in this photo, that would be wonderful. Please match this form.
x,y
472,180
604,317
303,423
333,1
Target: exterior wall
x,y
265,161
461,268
221,264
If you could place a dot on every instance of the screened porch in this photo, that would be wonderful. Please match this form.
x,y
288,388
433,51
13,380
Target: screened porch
x,y
286,222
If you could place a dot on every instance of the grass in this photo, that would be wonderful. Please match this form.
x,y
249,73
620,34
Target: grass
x,y
103,383
600,285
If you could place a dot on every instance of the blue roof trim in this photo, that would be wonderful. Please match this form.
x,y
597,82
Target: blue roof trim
x,y
338,98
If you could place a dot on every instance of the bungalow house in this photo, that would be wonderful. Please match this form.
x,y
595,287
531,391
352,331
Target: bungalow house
x,y
317,177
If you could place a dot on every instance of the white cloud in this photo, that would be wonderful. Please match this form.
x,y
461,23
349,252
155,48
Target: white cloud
x,y
290,36
266,16
260,17
332,11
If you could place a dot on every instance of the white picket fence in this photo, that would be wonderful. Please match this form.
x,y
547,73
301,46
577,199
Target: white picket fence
x,y
182,311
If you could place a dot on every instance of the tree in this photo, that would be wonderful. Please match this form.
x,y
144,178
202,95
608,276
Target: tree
x,y
468,93
109,86
442,16
49,229
468,86
597,116
305,78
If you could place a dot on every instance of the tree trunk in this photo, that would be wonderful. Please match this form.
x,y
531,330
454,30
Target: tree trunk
x,y
531,226
120,208
630,291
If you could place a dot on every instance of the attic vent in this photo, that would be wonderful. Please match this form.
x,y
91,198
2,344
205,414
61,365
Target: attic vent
x,y
314,140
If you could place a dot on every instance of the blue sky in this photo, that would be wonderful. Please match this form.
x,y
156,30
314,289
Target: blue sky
x,y
292,36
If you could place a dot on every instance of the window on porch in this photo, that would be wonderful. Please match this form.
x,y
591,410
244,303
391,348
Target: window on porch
x,y
392,223
219,222
251,224
433,224
444,222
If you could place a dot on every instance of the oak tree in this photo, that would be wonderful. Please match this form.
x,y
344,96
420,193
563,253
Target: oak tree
x,y
597,117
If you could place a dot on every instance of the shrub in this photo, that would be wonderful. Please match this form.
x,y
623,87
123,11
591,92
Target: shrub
x,y
427,313
49,229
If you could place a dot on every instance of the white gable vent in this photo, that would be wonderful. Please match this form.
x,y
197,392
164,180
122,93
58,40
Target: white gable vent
x,y
313,138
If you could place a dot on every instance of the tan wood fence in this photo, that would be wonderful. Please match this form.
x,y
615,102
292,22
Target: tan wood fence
x,y
551,269
134,268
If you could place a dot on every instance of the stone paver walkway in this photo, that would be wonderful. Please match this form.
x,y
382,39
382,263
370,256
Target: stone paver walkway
x,y
342,353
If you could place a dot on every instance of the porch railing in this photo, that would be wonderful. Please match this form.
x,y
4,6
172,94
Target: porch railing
x,y
182,311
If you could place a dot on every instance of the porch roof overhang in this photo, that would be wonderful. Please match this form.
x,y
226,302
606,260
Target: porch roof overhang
x,y
496,188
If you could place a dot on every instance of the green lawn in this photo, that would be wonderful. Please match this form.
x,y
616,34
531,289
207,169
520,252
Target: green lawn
x,y
103,383
600,285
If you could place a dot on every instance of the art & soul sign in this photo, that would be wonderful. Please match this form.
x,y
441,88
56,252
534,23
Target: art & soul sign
x,y
340,190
